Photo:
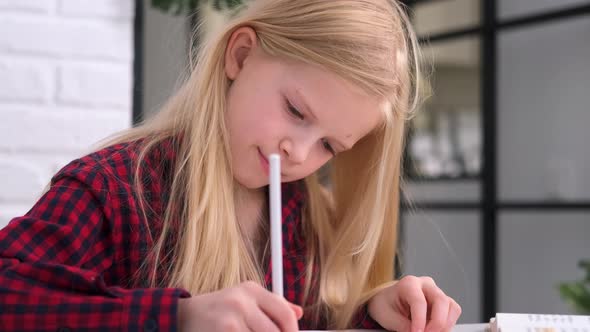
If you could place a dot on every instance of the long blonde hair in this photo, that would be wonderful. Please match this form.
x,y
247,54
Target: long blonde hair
x,y
351,235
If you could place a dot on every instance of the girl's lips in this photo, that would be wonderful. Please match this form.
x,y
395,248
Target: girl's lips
x,y
264,162
265,165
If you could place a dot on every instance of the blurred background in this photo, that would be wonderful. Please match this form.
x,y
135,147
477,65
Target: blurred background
x,y
497,192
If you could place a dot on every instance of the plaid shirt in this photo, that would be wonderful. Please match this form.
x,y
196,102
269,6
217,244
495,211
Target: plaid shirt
x,y
71,261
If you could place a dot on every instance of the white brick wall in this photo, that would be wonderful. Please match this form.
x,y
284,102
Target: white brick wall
x,y
66,70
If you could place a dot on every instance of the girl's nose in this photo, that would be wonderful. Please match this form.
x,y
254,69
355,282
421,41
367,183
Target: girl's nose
x,y
296,153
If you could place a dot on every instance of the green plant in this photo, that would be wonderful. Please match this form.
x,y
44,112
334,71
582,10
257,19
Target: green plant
x,y
178,7
577,293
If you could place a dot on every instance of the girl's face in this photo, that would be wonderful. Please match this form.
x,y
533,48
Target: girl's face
x,y
301,112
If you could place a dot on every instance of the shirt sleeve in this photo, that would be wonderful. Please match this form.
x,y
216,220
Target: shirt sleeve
x,y
52,262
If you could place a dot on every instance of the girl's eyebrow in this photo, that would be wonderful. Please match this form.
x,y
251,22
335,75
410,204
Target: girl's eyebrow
x,y
305,105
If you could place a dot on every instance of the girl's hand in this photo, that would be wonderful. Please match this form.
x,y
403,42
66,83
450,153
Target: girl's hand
x,y
414,304
246,307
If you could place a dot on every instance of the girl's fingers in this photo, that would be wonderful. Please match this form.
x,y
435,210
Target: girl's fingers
x,y
278,310
430,309
297,310
410,293
454,313
395,322
258,321
383,309
439,304
418,308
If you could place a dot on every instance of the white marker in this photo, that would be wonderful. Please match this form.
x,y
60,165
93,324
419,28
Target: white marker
x,y
276,241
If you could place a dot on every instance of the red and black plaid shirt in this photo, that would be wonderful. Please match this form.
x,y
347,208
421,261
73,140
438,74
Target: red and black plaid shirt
x,y
71,261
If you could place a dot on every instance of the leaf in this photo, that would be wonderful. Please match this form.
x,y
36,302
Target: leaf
x,y
233,3
585,264
576,294
177,7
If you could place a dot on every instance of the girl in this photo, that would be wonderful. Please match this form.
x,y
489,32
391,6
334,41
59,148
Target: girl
x,y
165,228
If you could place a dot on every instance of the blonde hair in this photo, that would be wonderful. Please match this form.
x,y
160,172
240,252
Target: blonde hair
x,y
352,235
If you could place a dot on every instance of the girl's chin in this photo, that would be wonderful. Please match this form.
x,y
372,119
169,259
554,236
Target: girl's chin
x,y
249,184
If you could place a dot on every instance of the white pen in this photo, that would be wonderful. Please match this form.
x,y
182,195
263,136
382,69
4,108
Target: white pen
x,y
276,241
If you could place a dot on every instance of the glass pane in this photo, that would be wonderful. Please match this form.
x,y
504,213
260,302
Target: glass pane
x,y
441,16
537,251
446,246
443,191
165,56
514,8
445,135
543,112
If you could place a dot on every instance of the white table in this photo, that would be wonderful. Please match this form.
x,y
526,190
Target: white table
x,y
471,327
458,328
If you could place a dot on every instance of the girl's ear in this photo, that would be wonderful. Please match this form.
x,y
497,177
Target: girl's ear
x,y
240,47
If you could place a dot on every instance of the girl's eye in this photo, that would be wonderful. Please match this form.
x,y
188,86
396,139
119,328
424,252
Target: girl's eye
x,y
294,111
328,147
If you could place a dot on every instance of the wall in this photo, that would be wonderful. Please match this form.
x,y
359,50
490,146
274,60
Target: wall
x,y
165,55
65,82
